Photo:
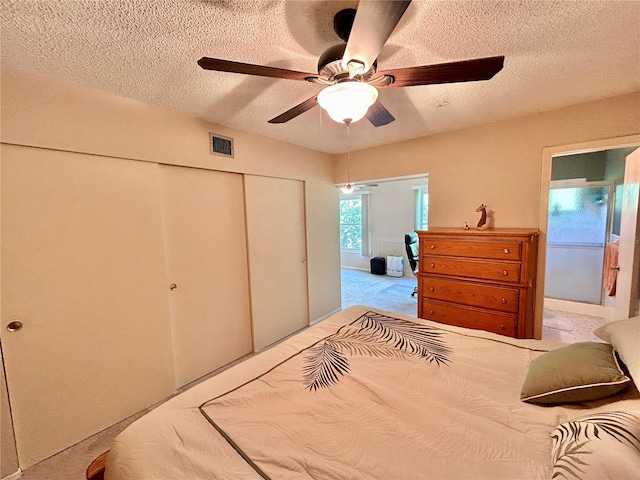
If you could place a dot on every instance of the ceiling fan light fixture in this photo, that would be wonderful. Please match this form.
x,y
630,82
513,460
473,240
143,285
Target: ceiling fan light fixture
x,y
347,189
347,100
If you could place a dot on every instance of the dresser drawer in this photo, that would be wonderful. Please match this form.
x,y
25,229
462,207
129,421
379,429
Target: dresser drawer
x,y
468,317
504,299
480,269
498,250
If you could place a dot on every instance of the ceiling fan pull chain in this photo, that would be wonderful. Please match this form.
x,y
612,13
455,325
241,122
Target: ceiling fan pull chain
x,y
348,122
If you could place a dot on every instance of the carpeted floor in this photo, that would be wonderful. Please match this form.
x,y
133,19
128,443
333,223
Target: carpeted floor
x,y
388,293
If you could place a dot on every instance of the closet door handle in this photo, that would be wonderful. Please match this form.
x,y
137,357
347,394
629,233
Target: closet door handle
x,y
14,326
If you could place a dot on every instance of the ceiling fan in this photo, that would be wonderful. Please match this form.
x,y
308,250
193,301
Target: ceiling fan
x,y
349,70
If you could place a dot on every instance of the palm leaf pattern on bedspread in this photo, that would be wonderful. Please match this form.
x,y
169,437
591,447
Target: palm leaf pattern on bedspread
x,y
374,335
572,439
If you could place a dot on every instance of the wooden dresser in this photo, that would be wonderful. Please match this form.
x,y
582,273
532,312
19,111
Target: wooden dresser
x,y
482,279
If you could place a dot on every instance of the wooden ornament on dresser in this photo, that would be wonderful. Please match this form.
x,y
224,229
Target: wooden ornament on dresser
x,y
482,223
482,279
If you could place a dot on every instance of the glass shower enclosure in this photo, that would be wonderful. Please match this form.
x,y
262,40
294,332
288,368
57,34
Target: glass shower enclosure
x,y
577,233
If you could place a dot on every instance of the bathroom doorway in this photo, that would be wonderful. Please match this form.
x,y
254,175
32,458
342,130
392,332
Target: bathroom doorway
x,y
585,191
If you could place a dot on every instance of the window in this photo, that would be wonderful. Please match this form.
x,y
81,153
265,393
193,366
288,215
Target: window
x,y
421,207
354,233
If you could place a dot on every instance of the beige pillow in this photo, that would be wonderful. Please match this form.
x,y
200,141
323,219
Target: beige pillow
x,y
624,335
576,373
605,445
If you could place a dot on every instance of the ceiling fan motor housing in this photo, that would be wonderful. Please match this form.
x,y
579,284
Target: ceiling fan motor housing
x,y
330,61
343,21
330,65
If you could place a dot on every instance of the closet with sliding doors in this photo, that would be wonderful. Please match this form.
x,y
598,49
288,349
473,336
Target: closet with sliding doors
x,y
126,280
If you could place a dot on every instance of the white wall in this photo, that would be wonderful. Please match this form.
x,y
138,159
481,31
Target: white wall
x,y
391,215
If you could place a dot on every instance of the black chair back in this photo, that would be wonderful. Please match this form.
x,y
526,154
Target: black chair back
x,y
411,245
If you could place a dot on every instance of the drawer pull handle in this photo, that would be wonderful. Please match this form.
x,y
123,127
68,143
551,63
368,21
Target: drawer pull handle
x,y
505,273
433,247
433,265
502,327
504,301
431,289
430,312
506,250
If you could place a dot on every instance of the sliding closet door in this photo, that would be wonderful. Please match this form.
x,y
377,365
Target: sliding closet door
x,y
83,274
277,257
208,279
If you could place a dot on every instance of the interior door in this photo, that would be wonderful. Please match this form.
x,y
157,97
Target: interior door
x,y
626,301
277,257
83,272
208,279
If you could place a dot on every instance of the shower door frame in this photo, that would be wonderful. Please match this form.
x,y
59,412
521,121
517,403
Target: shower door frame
x,y
582,183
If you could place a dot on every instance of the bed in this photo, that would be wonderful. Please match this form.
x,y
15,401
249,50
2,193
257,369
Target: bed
x,y
370,394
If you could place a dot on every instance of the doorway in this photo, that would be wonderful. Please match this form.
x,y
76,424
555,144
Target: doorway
x,y
562,191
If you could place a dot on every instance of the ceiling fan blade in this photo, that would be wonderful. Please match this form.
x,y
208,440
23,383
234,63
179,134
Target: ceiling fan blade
x,y
378,115
463,71
308,104
374,22
360,186
250,69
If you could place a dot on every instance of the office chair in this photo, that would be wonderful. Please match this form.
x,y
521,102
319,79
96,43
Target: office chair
x,y
411,245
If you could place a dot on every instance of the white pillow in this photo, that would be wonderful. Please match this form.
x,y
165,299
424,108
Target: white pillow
x,y
624,336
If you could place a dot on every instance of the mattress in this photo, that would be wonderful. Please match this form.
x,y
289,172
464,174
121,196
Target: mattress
x,y
364,394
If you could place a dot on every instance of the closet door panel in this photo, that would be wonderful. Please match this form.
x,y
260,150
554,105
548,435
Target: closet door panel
x,y
208,280
277,257
83,271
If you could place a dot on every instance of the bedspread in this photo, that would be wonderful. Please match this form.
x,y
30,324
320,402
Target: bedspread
x,y
363,395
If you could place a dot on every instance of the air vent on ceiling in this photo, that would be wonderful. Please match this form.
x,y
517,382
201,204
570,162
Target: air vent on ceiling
x,y
219,145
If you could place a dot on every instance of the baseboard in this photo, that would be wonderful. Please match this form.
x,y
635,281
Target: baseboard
x,y
13,476
369,271
575,307
357,268
318,320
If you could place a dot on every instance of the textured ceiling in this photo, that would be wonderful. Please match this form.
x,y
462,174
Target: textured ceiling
x,y
557,53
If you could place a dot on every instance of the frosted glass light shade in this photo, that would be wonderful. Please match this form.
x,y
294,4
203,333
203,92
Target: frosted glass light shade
x,y
347,101
347,189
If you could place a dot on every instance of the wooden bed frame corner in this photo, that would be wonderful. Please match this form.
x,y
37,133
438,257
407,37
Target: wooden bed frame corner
x,y
95,471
